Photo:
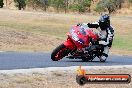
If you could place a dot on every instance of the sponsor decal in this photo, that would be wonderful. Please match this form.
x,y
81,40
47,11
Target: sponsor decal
x,y
83,78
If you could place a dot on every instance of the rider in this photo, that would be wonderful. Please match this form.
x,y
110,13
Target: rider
x,y
107,34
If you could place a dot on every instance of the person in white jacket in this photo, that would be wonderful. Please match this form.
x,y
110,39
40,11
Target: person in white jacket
x,y
107,34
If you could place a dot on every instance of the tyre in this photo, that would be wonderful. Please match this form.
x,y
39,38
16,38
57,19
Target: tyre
x,y
85,59
59,52
103,60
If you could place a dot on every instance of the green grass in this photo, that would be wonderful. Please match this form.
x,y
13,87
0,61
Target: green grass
x,y
123,42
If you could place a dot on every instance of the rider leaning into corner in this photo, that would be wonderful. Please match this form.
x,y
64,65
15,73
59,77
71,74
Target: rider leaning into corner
x,y
106,34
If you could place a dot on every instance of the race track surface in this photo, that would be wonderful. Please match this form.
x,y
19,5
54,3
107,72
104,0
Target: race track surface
x,y
25,60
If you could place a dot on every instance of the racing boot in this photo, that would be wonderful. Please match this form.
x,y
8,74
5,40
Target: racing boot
x,y
105,54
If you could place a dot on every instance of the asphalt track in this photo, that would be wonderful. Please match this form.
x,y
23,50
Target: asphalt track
x,y
26,60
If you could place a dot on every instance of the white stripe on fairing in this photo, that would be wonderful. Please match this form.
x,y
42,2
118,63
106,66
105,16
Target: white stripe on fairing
x,y
71,69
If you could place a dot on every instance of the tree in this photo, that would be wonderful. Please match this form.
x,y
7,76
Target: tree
x,y
58,4
81,5
44,3
100,7
41,4
117,3
1,3
66,5
20,4
130,1
32,3
87,4
74,7
109,5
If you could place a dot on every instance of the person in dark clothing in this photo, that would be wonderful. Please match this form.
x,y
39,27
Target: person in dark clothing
x,y
107,34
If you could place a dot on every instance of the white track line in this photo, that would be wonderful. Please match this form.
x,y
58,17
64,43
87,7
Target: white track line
x,y
49,69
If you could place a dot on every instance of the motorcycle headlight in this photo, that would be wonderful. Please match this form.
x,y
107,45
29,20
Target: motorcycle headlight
x,y
75,37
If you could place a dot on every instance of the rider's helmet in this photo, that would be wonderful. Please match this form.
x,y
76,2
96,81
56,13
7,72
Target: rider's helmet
x,y
104,21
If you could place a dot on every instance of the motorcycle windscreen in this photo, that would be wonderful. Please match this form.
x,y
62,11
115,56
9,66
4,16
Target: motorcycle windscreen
x,y
83,37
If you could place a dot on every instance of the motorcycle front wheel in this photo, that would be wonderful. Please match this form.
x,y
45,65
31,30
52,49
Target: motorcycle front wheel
x,y
59,52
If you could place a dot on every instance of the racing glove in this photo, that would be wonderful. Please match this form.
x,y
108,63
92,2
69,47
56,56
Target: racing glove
x,y
94,42
90,25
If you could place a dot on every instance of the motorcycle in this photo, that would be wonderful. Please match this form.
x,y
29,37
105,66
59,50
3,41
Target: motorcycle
x,y
80,44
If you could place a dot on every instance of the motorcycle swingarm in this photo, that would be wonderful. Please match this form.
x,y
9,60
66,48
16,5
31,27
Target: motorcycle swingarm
x,y
74,57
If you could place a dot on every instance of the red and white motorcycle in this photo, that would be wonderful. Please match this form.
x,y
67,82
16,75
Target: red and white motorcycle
x,y
80,44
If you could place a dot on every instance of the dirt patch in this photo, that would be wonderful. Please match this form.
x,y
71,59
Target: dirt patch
x,y
13,40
